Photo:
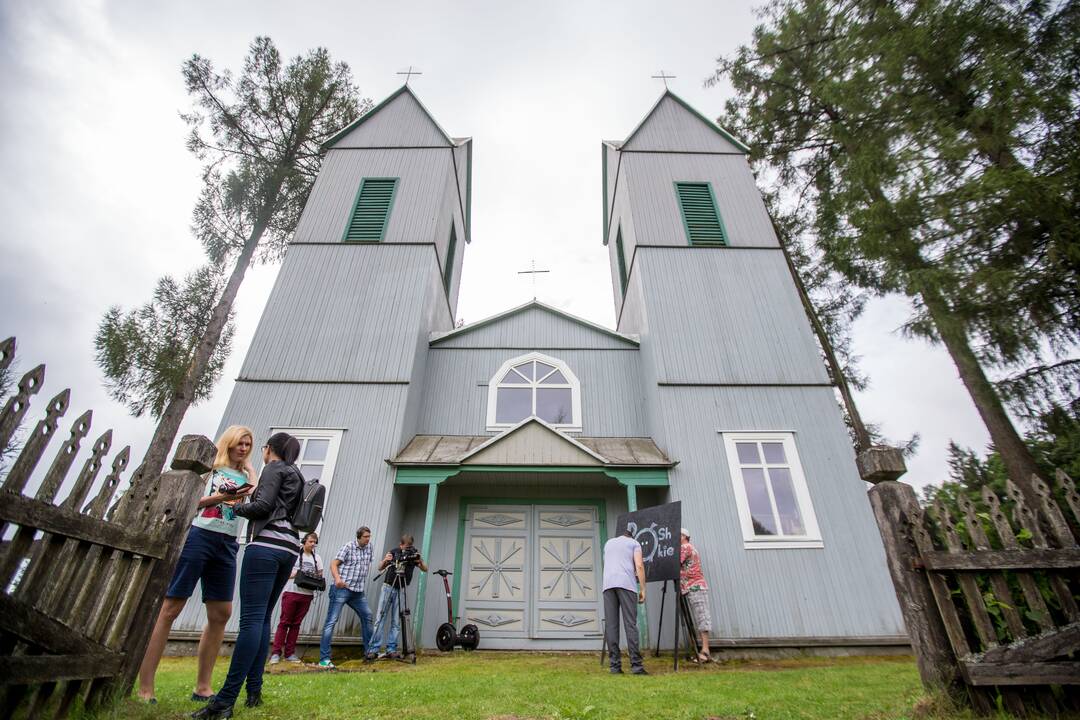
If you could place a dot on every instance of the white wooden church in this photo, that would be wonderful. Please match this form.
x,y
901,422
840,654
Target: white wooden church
x,y
509,446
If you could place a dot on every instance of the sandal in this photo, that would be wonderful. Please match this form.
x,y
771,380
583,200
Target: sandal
x,y
703,657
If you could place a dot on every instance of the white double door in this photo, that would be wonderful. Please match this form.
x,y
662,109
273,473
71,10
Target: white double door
x,y
532,571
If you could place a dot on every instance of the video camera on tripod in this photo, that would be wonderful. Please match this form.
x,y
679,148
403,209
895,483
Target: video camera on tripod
x,y
409,556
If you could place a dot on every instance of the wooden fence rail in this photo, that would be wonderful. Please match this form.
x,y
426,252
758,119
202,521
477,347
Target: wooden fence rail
x,y
82,579
990,601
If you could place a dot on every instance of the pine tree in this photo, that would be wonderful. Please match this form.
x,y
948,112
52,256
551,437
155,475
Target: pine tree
x,y
259,134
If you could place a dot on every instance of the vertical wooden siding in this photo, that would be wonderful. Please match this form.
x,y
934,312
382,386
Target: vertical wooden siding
x,y
424,179
456,391
343,312
671,127
401,122
649,181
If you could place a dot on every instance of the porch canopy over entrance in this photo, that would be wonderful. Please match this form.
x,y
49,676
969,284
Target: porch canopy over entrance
x,y
531,446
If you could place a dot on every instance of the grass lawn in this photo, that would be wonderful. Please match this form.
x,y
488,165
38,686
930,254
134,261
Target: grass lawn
x,y
514,686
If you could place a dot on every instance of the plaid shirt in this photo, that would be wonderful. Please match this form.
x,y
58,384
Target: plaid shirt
x,y
355,562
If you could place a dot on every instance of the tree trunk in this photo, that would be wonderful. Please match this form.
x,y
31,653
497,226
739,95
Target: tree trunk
x,y
169,422
1018,460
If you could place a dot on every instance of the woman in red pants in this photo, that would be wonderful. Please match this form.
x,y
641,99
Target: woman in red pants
x,y
295,602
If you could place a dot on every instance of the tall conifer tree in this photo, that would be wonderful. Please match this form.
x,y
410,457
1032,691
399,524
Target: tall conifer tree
x,y
259,134
931,147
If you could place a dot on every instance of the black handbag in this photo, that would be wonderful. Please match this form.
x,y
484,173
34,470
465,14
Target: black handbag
x,y
308,580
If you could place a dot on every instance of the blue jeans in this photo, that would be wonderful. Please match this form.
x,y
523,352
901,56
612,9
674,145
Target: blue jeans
x,y
262,578
340,597
389,602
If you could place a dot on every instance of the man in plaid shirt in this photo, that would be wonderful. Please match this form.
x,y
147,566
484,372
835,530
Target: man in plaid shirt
x,y
350,571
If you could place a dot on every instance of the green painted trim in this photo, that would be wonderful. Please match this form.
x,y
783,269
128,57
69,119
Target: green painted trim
x,y
468,194
425,550
371,113
643,477
451,249
739,144
601,521
603,165
622,259
716,209
642,618
356,205
428,474
424,475
458,332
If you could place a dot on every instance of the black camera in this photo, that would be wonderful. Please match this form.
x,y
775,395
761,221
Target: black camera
x,y
410,555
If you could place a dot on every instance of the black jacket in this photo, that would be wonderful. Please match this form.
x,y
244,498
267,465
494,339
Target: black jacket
x,y
275,498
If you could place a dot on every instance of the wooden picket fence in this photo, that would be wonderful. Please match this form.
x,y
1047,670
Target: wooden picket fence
x,y
82,580
990,601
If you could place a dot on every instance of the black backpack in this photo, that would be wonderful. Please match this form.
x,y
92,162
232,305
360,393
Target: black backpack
x,y
309,507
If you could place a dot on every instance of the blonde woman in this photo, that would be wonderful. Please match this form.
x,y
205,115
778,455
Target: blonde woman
x,y
209,558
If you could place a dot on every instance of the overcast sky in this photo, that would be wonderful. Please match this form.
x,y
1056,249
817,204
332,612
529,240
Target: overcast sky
x,y
96,188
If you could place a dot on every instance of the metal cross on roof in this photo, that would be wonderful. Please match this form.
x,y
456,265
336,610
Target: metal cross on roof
x,y
532,271
409,73
663,76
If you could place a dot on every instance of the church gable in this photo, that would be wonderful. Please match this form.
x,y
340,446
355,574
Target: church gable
x,y
533,442
398,121
534,325
674,126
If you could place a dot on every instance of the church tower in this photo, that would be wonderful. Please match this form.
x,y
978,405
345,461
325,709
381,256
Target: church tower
x,y
339,356
735,386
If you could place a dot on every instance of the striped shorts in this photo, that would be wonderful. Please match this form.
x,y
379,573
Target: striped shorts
x,y
698,600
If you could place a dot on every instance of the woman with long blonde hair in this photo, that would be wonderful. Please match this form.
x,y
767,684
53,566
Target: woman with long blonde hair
x,y
209,557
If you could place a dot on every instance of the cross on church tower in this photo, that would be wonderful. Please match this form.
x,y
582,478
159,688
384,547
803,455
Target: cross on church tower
x,y
665,77
534,272
410,72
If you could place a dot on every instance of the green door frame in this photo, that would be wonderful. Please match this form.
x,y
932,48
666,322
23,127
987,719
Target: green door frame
x,y
433,476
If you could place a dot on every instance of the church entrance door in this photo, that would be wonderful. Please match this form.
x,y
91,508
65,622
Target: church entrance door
x,y
532,571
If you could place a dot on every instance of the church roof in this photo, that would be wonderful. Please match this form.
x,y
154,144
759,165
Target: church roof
x,y
439,337
669,107
373,112
531,442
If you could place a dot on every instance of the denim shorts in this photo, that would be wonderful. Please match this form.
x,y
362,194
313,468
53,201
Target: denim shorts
x,y
210,558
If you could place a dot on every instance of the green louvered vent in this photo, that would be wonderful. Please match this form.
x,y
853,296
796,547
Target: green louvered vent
x,y
369,217
703,226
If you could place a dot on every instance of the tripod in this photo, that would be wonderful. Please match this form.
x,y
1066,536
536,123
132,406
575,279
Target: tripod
x,y
400,587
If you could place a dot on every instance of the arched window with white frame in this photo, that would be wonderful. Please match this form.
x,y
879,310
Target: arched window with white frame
x,y
534,385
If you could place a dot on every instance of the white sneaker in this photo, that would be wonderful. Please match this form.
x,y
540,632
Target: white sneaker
x,y
275,659
293,659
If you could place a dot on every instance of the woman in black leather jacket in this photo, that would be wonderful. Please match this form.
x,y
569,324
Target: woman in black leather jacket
x,y
272,548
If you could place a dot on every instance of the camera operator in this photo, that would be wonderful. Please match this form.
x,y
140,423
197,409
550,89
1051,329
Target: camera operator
x,y
398,564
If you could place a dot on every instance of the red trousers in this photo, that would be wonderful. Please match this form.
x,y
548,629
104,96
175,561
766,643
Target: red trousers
x,y
294,607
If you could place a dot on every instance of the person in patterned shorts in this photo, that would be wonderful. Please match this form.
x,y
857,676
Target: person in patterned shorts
x,y
696,591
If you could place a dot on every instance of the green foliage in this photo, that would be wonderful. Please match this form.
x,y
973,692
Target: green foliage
x,y
146,352
931,150
260,135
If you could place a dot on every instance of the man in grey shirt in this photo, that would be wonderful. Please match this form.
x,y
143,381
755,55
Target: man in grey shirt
x,y
624,575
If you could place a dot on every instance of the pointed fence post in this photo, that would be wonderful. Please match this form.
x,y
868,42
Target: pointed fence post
x,y
895,506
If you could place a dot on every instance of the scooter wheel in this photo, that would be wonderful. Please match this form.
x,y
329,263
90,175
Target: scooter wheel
x,y
444,637
470,637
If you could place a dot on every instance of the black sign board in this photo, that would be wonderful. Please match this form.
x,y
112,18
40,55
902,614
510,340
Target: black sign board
x,y
657,529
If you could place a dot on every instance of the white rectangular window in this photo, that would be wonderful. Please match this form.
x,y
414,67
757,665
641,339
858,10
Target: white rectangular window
x,y
318,456
770,491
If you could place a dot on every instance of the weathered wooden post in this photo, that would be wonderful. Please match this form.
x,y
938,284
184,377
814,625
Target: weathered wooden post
x,y
167,511
895,508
